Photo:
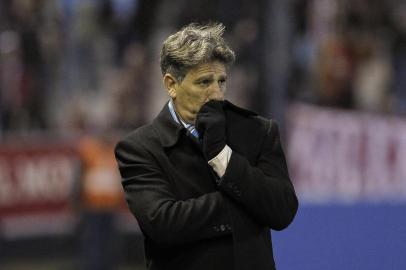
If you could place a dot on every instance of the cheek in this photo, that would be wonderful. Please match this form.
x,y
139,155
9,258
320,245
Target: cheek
x,y
196,96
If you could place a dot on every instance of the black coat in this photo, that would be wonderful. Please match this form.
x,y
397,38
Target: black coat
x,y
188,220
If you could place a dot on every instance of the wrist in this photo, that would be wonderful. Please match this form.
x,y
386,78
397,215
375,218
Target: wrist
x,y
220,162
213,149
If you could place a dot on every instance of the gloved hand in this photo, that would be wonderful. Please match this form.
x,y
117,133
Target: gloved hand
x,y
211,125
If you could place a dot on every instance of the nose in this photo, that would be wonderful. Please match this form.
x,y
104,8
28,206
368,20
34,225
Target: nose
x,y
216,93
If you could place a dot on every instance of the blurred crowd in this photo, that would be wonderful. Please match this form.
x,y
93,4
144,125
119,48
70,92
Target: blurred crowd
x,y
74,66
71,65
350,54
88,65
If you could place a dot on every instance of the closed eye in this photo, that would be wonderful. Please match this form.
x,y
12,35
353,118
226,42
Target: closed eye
x,y
205,82
222,82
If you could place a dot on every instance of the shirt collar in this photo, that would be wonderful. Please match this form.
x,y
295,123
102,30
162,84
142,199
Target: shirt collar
x,y
191,128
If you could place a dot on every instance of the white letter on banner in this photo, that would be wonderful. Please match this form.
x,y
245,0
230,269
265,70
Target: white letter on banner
x,y
396,158
377,182
321,164
61,175
347,159
31,179
6,184
45,178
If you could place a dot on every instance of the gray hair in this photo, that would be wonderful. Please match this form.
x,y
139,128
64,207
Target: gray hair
x,y
194,44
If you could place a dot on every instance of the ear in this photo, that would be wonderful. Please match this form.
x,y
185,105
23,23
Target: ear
x,y
170,84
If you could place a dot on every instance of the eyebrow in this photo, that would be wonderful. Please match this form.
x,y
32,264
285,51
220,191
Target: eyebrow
x,y
204,77
210,77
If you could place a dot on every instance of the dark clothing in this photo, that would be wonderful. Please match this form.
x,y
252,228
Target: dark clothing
x,y
99,241
189,217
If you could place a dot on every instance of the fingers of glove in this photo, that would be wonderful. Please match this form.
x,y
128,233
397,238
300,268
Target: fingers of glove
x,y
203,120
212,106
210,123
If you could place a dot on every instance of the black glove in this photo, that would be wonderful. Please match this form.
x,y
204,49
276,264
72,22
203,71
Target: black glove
x,y
211,125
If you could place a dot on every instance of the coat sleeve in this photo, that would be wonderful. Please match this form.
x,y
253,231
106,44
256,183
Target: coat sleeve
x,y
264,190
163,218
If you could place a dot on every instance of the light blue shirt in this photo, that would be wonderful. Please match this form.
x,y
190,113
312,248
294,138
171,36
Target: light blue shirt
x,y
178,119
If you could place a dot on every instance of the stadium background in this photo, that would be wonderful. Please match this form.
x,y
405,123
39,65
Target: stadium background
x,y
77,74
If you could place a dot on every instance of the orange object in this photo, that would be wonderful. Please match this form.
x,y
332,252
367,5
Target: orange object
x,y
101,188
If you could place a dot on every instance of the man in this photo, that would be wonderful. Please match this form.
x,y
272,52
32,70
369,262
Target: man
x,y
207,179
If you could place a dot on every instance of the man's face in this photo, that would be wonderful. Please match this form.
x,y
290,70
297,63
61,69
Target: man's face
x,y
203,83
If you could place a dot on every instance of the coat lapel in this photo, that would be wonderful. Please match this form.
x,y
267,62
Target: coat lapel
x,y
168,130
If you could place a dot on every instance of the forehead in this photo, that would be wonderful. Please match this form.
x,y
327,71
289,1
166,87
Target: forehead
x,y
210,68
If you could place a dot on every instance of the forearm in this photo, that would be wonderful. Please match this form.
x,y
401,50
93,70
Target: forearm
x,y
270,199
263,188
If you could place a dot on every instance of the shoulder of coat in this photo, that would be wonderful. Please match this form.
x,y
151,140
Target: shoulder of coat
x,y
140,134
232,107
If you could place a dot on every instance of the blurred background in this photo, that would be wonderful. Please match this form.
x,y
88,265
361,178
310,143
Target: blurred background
x,y
75,75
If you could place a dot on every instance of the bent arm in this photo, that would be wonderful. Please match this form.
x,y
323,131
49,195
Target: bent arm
x,y
264,190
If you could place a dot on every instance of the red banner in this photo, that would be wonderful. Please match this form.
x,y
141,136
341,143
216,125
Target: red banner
x,y
39,184
36,178
337,155
36,185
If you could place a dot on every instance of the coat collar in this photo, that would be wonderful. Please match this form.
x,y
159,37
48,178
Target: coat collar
x,y
228,106
168,130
